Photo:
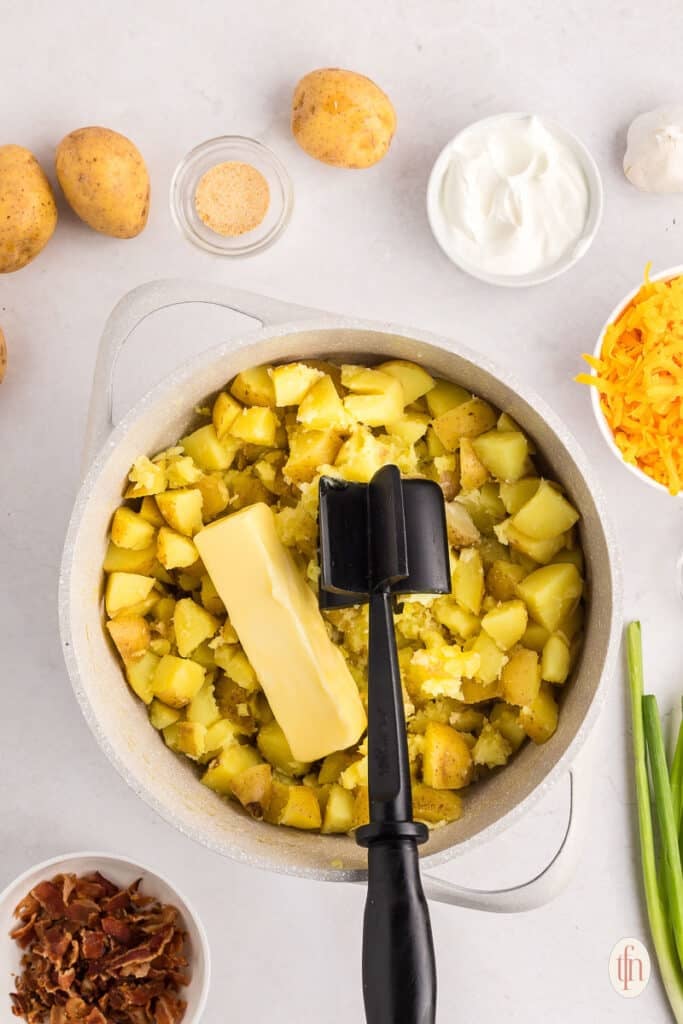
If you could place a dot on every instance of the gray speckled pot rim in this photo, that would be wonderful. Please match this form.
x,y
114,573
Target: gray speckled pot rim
x,y
171,384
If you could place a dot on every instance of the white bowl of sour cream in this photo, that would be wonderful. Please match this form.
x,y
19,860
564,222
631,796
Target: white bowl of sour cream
x,y
514,199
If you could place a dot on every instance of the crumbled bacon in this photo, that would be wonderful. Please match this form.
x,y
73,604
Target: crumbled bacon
x,y
97,954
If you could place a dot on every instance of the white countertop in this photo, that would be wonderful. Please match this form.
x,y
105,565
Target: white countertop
x,y
170,75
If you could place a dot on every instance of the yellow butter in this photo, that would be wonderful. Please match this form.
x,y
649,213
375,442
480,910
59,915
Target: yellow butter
x,y
276,616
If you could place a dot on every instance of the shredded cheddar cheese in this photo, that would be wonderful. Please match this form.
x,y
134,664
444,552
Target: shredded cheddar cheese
x,y
640,379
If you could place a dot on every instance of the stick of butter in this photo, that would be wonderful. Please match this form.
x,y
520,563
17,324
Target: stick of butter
x,y
276,616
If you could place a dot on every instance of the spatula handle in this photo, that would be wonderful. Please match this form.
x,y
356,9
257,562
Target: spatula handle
x,y
399,973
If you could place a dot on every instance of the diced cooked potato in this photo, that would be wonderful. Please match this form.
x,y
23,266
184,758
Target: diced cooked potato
x,y
225,410
221,734
177,680
182,471
338,815
361,806
491,658
434,446
254,387
444,396
127,560
435,806
210,598
124,590
295,806
129,530
309,449
468,580
215,495
446,758
146,477
231,761
361,456
492,748
462,532
130,634
149,510
515,495
572,623
377,397
506,623
521,677
207,451
484,506
546,515
203,708
502,579
410,427
551,593
555,660
535,636
461,623
539,719
573,555
253,788
140,675
190,739
192,624
240,671
469,419
476,692
473,473
538,550
182,510
274,747
292,382
257,425
414,380
504,453
323,409
245,488
161,715
174,550
332,767
505,717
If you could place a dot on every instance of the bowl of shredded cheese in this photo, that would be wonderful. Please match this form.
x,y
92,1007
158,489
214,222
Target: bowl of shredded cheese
x,y
636,380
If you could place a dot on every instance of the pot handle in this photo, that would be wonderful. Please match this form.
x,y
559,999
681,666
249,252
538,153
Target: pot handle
x,y
549,882
149,298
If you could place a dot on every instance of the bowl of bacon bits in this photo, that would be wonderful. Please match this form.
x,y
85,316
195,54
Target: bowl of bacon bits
x,y
97,939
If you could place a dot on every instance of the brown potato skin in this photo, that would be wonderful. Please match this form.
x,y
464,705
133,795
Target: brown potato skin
x,y
104,180
28,214
342,118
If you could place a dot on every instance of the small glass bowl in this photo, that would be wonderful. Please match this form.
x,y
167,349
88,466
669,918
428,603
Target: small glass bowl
x,y
217,151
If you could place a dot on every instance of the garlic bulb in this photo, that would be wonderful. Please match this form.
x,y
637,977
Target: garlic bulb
x,y
654,150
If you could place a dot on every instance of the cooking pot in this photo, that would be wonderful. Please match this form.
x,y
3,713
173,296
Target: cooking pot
x,y
168,782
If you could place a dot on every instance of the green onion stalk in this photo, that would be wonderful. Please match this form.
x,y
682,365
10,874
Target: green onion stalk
x,y
663,883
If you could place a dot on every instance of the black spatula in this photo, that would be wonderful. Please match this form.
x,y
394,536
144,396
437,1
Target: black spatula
x,y
377,540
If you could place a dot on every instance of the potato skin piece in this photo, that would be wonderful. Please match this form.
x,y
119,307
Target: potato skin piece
x,y
28,214
342,118
104,180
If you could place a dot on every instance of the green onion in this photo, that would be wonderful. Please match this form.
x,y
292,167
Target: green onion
x,y
660,926
677,775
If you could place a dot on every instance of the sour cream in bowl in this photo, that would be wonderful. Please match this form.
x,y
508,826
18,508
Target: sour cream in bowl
x,y
514,199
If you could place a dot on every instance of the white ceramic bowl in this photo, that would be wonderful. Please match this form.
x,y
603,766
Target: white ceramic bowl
x,y
441,230
663,275
122,872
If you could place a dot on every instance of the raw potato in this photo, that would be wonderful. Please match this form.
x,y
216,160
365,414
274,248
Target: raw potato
x,y
104,180
479,666
28,215
342,118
